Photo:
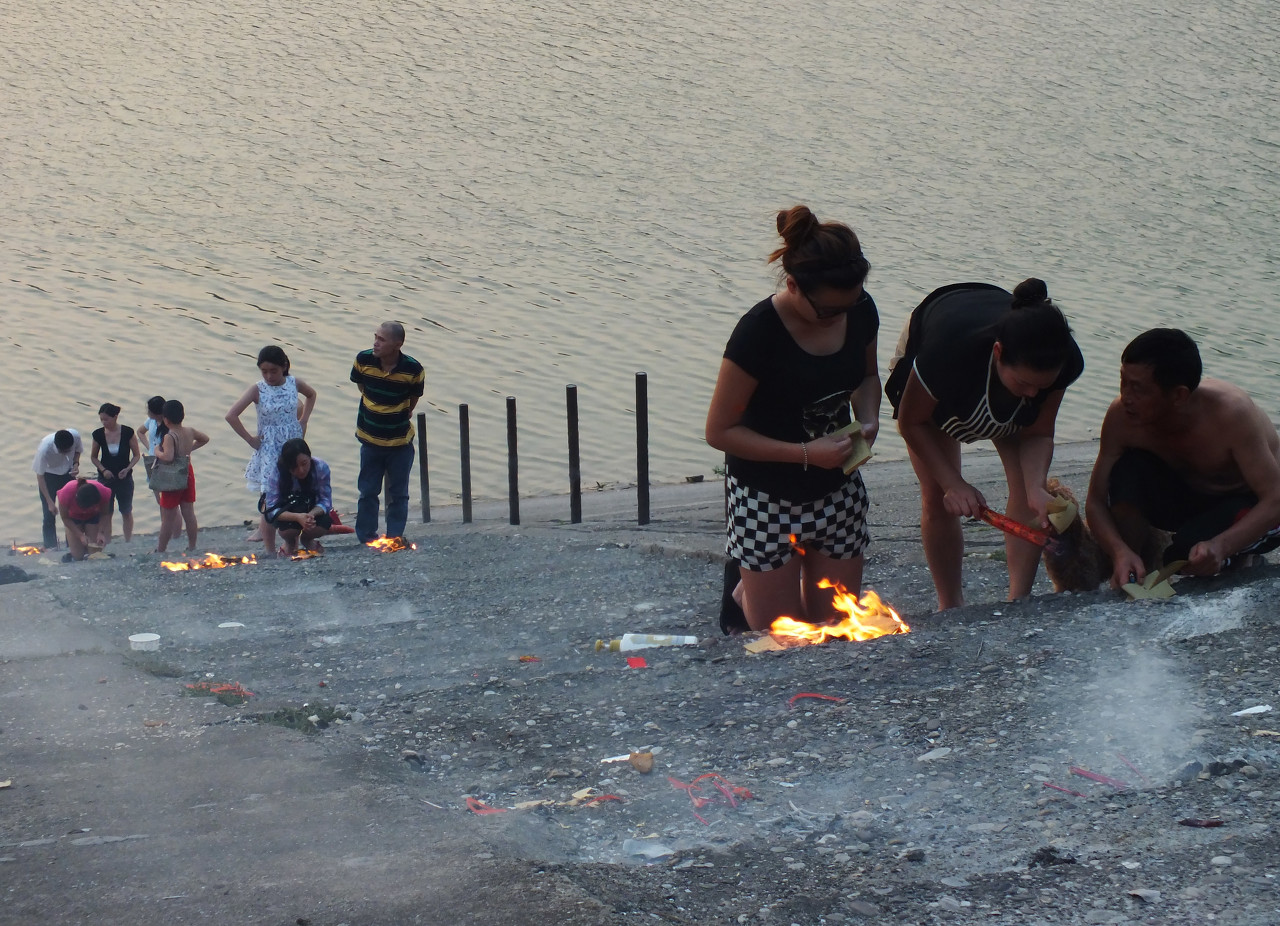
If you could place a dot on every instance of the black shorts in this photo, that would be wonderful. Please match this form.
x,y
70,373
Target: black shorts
x,y
121,494
323,521
1143,480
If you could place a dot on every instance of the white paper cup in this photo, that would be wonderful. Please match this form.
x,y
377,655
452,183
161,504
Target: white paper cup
x,y
148,642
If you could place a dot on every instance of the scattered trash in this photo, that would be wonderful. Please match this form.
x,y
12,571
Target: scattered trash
x,y
765,644
634,641
637,662
1146,895
7,783
729,793
228,693
1266,732
230,625
530,659
154,723
1133,768
1050,784
791,702
642,762
145,642
1048,855
1257,709
645,849
1103,779
1202,824
480,807
940,753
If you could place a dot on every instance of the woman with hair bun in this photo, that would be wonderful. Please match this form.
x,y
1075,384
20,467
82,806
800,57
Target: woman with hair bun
x,y
976,362
279,419
798,376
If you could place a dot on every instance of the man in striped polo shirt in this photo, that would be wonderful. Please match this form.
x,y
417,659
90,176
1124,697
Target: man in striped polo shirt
x,y
390,384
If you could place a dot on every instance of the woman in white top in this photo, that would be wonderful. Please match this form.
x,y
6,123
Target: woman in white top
x,y
279,418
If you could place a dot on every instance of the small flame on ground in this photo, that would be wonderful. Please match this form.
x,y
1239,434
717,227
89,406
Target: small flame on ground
x,y
211,561
305,554
865,619
391,544
25,551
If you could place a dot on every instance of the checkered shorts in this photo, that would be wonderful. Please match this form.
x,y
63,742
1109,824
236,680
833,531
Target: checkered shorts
x,y
760,526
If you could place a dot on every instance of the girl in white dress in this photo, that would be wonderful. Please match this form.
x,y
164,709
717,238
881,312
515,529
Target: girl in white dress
x,y
279,418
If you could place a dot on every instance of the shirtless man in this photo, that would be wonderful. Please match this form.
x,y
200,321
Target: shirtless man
x,y
1197,458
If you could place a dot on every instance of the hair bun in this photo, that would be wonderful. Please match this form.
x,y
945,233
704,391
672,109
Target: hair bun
x,y
1031,291
797,225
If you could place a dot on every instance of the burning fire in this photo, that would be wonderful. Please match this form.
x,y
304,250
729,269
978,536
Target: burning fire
x,y
211,561
305,554
25,551
865,619
391,544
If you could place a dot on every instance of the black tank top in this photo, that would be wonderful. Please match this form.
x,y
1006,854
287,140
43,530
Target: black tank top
x,y
114,462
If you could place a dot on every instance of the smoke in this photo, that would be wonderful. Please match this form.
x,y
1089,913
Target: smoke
x,y
1133,703
1200,616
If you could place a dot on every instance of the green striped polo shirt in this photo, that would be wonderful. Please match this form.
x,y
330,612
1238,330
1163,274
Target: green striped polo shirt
x,y
386,399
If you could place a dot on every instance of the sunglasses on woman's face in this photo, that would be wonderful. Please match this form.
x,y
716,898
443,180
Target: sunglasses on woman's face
x,y
825,311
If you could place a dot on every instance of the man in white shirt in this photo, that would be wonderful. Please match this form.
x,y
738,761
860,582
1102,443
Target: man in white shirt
x,y
57,462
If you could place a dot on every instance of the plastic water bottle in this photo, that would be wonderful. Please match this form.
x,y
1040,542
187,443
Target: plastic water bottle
x,y
632,641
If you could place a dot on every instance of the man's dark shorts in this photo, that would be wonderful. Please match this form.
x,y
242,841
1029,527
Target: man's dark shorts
x,y
1143,480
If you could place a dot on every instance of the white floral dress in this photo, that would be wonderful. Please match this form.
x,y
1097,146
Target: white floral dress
x,y
277,423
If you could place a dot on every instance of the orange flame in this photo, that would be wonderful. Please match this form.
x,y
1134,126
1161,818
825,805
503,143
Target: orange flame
x,y
211,561
25,551
391,544
305,554
865,619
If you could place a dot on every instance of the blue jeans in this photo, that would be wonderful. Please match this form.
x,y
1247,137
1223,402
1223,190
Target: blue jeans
x,y
378,466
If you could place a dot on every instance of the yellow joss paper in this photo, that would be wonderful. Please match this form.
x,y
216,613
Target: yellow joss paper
x,y
861,451
1156,584
1062,512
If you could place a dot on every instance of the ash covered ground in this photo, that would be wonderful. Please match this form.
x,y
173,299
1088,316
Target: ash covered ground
x,y
389,689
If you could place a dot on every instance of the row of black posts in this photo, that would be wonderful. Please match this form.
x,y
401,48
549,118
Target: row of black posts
x,y
513,462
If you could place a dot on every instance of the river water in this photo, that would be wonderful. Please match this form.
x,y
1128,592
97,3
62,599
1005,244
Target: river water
x,y
570,193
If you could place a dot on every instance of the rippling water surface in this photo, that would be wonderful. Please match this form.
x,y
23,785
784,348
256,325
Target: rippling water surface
x,y
570,193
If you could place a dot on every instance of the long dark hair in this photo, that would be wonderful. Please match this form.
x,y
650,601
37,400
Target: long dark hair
x,y
289,453
1033,333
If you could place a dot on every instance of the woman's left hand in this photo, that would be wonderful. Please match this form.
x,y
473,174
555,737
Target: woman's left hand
x,y
1038,499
